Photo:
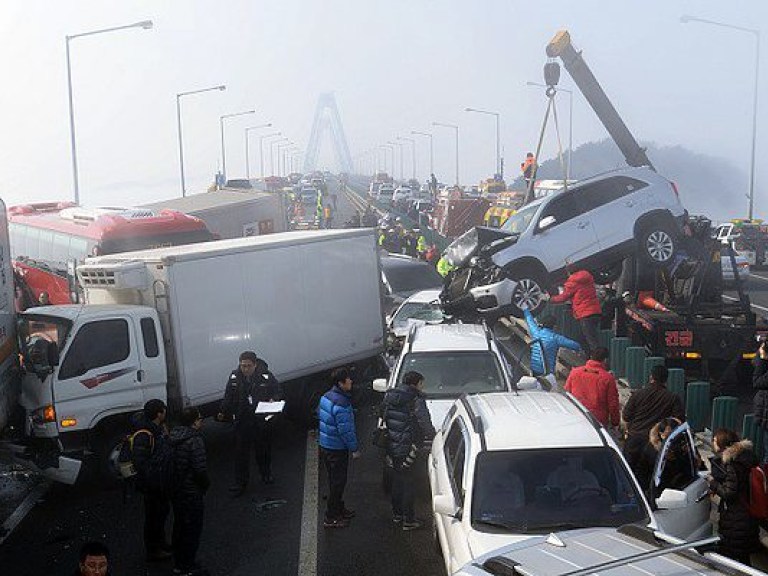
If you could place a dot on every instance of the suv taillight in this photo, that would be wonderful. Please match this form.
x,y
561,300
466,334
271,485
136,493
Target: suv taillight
x,y
674,189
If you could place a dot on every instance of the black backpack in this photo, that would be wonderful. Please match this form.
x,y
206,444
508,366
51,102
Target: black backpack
x,y
157,476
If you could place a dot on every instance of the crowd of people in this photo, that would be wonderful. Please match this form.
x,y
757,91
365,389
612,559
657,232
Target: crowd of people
x,y
652,413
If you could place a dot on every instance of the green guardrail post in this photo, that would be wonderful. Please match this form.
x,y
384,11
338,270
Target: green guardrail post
x,y
648,365
604,337
751,431
697,405
724,412
618,356
676,383
634,362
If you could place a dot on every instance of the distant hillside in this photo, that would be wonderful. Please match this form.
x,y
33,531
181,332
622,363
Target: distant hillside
x,y
707,185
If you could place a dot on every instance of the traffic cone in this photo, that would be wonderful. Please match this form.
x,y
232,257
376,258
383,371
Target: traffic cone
x,y
652,304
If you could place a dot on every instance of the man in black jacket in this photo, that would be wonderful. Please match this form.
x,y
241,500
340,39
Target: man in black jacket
x,y
249,384
190,473
150,440
644,409
408,426
760,401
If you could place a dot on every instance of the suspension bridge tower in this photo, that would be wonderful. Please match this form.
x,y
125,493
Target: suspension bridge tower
x,y
327,125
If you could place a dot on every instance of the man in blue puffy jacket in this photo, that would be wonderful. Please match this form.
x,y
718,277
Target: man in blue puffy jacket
x,y
337,440
551,342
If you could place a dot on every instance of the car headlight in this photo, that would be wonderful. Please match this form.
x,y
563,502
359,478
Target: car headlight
x,y
462,248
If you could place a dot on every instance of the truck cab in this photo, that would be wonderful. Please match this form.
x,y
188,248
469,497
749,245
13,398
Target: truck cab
x,y
75,356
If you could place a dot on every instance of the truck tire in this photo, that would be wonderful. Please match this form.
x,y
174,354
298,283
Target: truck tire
x,y
657,244
531,286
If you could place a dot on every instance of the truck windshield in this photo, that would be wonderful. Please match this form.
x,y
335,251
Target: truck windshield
x,y
545,490
451,374
520,220
36,331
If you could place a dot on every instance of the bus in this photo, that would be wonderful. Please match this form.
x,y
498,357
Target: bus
x,y
48,240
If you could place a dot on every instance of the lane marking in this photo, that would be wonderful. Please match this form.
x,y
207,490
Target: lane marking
x,y
308,542
753,275
763,308
24,508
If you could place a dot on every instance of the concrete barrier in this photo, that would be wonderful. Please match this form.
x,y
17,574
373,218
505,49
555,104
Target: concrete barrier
x,y
697,405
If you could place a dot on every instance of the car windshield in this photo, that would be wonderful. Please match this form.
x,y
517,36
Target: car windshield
x,y
36,332
409,279
544,490
520,220
426,311
452,373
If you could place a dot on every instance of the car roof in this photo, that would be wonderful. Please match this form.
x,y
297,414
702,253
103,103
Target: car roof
x,y
533,419
449,337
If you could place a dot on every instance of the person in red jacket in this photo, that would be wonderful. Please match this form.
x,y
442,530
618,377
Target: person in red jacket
x,y
595,387
579,288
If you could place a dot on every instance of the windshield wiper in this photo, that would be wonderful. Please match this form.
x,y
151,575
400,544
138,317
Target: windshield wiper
x,y
559,526
503,525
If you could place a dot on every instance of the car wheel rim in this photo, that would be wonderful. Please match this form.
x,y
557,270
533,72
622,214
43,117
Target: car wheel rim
x,y
528,294
660,246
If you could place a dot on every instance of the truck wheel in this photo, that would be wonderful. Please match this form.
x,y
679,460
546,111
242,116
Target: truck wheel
x,y
528,293
657,244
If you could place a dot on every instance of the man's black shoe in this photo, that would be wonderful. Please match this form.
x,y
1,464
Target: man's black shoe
x,y
159,556
268,479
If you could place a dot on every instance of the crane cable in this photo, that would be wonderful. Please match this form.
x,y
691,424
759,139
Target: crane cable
x,y
551,108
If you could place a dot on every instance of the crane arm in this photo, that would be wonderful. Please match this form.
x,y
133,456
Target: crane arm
x,y
560,47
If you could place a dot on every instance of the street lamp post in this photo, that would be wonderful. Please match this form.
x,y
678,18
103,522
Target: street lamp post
x,y
146,25
272,154
281,148
685,19
413,154
498,137
223,150
178,121
247,153
400,145
261,148
570,123
431,149
456,128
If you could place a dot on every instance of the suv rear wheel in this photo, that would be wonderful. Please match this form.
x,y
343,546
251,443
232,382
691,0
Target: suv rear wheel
x,y
658,244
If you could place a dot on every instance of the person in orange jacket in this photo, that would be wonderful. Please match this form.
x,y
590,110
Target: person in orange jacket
x,y
580,289
595,387
528,167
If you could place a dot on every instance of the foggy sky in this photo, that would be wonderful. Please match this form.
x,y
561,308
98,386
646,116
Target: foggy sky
x,y
394,66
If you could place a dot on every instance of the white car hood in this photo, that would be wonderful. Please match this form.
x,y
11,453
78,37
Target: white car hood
x,y
483,542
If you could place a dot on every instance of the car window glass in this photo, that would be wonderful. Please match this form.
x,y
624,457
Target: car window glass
x,y
95,345
562,208
455,449
679,467
149,335
543,490
610,189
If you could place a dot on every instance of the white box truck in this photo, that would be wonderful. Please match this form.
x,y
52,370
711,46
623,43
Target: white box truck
x,y
170,323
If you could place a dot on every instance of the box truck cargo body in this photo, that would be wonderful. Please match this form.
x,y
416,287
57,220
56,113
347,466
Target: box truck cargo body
x,y
170,323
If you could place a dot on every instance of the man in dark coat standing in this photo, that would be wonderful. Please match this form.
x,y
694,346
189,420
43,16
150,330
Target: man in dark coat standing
x,y
644,409
249,384
760,402
150,440
408,427
190,473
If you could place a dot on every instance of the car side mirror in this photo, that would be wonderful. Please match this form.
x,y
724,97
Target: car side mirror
x,y
672,500
380,385
445,505
546,222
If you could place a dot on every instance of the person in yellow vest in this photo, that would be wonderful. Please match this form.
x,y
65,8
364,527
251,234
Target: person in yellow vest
x,y
443,267
328,217
421,244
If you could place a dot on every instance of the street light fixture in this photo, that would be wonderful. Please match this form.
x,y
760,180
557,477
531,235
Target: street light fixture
x,y
261,148
498,137
386,149
431,149
413,154
570,123
178,121
456,128
144,24
223,150
247,153
272,154
684,19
